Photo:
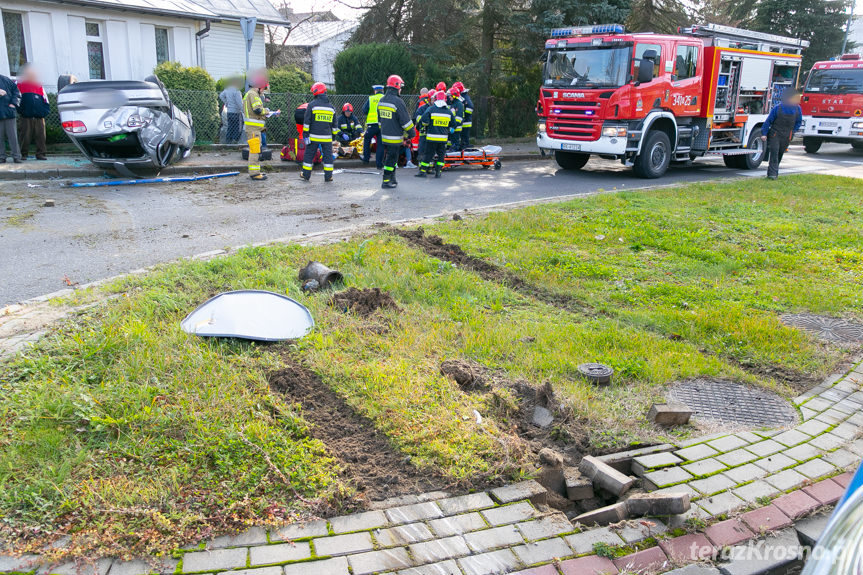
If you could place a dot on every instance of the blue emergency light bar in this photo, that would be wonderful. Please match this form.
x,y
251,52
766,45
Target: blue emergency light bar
x,y
586,30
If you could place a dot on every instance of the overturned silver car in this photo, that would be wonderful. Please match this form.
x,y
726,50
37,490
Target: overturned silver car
x,y
128,126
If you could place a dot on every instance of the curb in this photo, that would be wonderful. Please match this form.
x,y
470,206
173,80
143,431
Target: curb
x,y
91,171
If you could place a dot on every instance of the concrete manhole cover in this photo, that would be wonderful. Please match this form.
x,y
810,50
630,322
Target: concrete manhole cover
x,y
730,403
832,329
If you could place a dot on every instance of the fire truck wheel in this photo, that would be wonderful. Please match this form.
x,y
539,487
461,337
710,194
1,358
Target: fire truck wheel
x,y
811,145
857,145
752,161
570,160
655,156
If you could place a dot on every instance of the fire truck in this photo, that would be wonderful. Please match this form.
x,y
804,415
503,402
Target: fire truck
x,y
833,103
651,99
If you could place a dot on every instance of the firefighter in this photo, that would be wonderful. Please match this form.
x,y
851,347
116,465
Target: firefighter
x,y
255,115
441,87
349,127
467,123
424,102
373,128
435,121
320,128
395,123
458,117
779,127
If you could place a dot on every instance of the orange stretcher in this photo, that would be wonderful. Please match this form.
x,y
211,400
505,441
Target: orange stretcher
x,y
487,157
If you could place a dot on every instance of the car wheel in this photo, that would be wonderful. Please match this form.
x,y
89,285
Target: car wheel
x,y
655,156
570,160
857,145
752,161
811,145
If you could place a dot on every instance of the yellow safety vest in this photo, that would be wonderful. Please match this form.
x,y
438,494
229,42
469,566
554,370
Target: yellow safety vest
x,y
372,116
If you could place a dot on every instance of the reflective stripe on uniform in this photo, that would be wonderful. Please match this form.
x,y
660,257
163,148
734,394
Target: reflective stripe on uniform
x,y
308,166
408,125
254,123
467,124
321,139
392,139
437,137
328,167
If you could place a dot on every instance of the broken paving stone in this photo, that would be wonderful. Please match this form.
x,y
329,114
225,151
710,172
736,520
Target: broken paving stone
x,y
49,203
530,489
604,515
657,504
604,476
644,463
542,417
668,414
578,487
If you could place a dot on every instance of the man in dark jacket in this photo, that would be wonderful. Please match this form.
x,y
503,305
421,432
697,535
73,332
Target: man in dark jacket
x,y
320,128
395,121
373,127
435,121
10,99
457,106
349,127
783,120
33,109
425,100
467,122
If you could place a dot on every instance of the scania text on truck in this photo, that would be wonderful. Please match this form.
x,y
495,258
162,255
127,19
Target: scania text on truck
x,y
833,103
650,99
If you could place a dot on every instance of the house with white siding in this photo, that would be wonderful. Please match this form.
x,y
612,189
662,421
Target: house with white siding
x,y
311,44
126,39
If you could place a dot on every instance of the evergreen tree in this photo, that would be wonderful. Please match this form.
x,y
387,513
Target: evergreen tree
x,y
819,21
661,16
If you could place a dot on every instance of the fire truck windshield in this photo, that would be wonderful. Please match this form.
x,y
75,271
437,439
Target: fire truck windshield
x,y
836,81
589,67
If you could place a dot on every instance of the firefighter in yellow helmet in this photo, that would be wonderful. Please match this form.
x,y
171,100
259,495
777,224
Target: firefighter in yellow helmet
x,y
255,115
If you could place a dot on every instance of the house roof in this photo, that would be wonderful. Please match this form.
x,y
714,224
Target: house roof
x,y
180,8
265,12
312,33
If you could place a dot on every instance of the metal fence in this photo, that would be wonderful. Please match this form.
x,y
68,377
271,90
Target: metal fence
x,y
505,118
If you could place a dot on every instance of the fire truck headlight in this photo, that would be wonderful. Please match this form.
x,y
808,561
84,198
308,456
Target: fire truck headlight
x,y
541,127
614,132
857,125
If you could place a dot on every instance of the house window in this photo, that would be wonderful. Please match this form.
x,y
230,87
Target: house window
x,y
95,50
686,62
16,50
163,46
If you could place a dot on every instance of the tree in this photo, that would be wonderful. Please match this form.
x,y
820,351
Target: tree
x,y
661,16
819,21
358,67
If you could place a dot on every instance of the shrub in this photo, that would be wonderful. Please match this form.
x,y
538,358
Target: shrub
x,y
289,79
359,67
178,77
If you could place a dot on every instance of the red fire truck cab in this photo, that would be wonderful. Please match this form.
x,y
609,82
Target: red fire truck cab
x,y
833,103
650,99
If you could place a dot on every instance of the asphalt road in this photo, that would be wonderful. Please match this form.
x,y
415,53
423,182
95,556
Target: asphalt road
x,y
93,233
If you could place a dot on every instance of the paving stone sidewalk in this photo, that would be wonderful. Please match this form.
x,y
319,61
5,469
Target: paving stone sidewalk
x,y
763,488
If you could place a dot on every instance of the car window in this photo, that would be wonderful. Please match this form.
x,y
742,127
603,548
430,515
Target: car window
x,y
686,62
640,49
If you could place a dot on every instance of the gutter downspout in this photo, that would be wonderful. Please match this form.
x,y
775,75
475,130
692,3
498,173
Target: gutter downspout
x,y
199,46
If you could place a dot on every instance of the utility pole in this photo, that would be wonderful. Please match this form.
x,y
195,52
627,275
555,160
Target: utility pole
x,y
848,27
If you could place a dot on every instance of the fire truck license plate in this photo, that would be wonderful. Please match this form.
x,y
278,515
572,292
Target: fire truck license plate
x,y
571,147
828,124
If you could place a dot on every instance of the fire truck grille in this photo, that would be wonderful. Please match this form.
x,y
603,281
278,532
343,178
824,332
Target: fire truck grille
x,y
574,130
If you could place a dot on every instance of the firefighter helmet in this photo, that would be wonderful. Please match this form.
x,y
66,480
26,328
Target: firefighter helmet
x,y
395,81
347,107
459,86
318,88
440,96
441,87
454,92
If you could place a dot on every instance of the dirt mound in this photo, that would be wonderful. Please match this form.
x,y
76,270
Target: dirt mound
x,y
363,302
469,375
436,247
370,463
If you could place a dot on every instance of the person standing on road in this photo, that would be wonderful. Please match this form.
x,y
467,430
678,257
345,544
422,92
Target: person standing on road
x,y
467,122
255,117
373,128
458,115
233,101
395,122
435,121
10,98
321,128
423,104
33,109
783,120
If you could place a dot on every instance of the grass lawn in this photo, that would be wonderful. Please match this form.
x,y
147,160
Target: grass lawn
x,y
135,437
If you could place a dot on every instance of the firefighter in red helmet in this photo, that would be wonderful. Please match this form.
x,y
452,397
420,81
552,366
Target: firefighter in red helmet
x,y
467,122
349,127
457,106
396,122
320,128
